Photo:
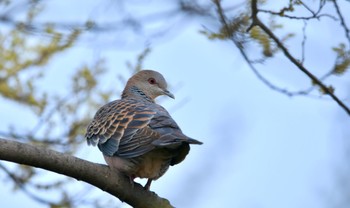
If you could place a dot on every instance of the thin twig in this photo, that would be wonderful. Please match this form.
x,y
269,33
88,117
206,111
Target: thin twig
x,y
256,22
21,185
303,42
342,21
314,16
43,120
245,56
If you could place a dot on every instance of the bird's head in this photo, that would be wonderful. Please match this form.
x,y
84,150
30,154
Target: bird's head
x,y
150,82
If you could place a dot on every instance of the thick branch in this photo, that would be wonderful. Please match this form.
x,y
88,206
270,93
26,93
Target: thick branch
x,y
95,174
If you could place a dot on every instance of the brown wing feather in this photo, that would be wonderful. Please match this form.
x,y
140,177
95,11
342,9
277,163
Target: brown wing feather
x,y
116,123
140,143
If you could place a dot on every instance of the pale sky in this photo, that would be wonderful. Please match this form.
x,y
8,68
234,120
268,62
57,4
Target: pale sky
x,y
261,148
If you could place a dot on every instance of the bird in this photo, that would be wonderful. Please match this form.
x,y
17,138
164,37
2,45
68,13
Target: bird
x,y
137,136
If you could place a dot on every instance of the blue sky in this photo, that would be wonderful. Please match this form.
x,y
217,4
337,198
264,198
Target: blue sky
x,y
261,148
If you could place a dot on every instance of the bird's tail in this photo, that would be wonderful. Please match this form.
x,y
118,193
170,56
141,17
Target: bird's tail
x,y
171,139
193,141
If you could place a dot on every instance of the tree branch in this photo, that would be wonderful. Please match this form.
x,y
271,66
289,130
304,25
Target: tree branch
x,y
97,175
256,22
223,21
342,21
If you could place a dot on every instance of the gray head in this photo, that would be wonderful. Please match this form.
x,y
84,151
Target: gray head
x,y
150,82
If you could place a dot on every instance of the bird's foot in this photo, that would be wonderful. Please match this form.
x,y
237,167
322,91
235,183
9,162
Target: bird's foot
x,y
148,184
131,180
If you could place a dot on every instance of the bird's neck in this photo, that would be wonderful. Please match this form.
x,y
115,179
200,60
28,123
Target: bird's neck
x,y
134,92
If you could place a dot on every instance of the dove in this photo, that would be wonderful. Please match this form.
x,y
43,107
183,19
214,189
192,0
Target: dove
x,y
137,136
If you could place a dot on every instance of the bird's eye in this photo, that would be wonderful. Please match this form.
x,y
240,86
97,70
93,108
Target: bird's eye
x,y
152,81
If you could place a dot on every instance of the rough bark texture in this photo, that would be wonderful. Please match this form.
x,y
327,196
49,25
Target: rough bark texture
x,y
95,174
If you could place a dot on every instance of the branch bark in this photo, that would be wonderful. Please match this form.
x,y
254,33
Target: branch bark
x,y
97,175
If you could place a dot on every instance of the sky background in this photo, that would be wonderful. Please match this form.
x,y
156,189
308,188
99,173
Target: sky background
x,y
261,148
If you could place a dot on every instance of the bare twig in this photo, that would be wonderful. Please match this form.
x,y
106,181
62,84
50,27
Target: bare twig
x,y
303,42
21,185
313,16
44,119
256,22
250,62
342,21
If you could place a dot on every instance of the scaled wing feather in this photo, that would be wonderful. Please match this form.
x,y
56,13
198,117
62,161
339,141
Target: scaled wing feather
x,y
116,123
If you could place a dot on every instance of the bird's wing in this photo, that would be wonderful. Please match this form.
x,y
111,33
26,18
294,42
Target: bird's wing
x,y
171,134
121,128
139,144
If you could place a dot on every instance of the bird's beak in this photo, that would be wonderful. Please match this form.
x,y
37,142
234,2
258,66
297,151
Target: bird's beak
x,y
166,92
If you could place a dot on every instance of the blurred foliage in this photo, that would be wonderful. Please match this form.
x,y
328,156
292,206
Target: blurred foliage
x,y
235,28
246,34
25,54
342,62
257,34
14,63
